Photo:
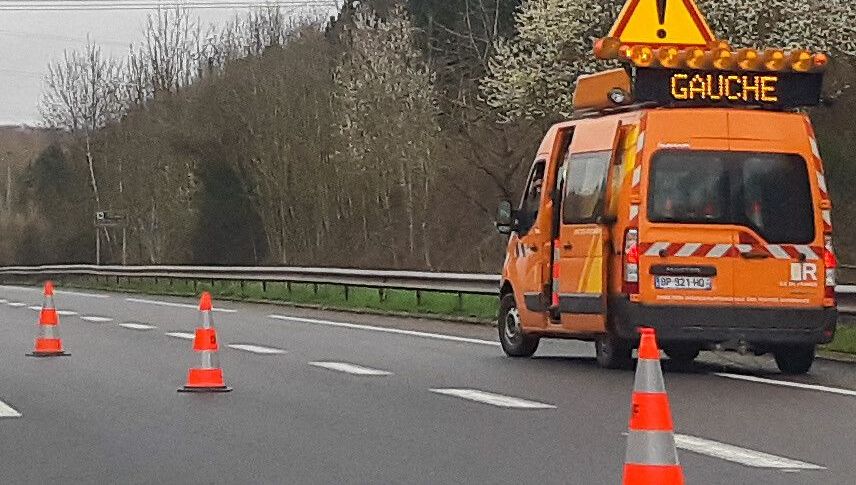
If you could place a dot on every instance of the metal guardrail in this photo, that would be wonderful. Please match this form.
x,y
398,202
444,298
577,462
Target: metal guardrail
x,y
475,283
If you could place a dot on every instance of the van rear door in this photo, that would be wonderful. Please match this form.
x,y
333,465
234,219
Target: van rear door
x,y
686,250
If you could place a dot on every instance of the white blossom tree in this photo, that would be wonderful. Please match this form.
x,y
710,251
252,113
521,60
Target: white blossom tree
x,y
532,74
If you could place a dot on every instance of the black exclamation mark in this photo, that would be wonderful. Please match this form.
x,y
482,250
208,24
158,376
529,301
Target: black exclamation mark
x,y
661,16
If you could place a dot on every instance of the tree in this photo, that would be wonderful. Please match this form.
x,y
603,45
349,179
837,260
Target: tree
x,y
384,97
532,74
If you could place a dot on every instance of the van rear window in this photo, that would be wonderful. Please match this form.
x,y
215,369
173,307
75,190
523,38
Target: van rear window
x,y
768,192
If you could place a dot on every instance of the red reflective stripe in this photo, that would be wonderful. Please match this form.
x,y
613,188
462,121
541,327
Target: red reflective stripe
x,y
206,339
653,474
650,412
48,317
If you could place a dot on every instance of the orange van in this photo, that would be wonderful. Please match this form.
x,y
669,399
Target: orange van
x,y
710,224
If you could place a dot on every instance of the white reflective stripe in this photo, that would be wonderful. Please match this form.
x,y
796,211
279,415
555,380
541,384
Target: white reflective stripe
x,y
634,211
640,142
777,251
744,248
493,399
637,176
719,251
688,250
655,248
807,251
827,216
821,182
814,148
743,456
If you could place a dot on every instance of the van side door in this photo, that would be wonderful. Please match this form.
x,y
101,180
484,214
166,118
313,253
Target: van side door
x,y
583,240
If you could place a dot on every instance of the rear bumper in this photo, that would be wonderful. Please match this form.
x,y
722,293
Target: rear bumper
x,y
711,325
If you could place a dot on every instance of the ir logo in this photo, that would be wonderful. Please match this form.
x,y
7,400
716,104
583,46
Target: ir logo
x,y
803,272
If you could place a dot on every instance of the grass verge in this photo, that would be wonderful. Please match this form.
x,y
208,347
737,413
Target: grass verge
x,y
476,308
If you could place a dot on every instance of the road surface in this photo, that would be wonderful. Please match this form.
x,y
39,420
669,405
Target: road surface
x,y
325,397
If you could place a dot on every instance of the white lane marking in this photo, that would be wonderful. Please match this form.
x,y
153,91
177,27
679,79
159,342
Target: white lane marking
x,y
66,313
798,385
177,305
96,319
398,331
60,292
3,300
7,411
494,399
256,349
16,304
743,456
184,335
137,326
35,308
356,370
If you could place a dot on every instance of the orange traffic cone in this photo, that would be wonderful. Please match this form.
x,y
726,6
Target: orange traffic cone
x,y
208,377
48,343
651,454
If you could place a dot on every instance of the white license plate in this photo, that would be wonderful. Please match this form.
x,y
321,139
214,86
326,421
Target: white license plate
x,y
683,282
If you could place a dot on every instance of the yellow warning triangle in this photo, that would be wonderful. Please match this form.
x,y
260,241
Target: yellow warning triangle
x,y
662,23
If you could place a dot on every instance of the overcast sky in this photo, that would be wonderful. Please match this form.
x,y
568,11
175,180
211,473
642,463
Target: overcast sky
x,y
29,40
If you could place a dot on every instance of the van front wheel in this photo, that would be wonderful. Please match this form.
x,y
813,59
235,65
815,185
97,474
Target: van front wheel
x,y
794,359
514,342
613,353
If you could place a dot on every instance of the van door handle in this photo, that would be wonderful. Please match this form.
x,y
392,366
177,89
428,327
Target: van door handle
x,y
754,255
533,248
568,247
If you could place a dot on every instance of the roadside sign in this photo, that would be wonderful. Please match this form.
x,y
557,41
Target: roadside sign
x,y
659,23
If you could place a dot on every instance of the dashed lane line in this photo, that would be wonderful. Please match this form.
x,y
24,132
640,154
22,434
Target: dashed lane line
x,y
743,456
35,308
7,411
256,349
95,319
16,304
398,331
59,292
797,385
66,313
137,326
352,369
183,335
177,305
493,399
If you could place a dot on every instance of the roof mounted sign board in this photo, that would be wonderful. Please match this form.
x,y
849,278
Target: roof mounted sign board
x,y
677,23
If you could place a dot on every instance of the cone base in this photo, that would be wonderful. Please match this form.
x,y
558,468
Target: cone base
x,y
48,354
205,389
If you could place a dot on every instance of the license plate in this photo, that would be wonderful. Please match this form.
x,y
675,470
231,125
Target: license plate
x,y
683,282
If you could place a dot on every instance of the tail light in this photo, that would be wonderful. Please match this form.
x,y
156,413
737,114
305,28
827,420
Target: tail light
x,y
830,262
630,285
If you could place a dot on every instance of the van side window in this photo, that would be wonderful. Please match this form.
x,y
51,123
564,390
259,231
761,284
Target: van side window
x,y
585,186
531,202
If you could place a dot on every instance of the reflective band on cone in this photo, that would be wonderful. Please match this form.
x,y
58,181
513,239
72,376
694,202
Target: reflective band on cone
x,y
651,457
48,343
207,376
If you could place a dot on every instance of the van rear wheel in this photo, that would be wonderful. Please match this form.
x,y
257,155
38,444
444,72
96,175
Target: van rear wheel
x,y
794,359
514,342
613,352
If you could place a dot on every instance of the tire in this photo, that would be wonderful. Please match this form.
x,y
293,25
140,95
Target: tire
x,y
514,342
613,353
683,354
794,360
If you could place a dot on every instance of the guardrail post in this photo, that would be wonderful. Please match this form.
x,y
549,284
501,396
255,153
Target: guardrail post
x,y
288,286
381,296
315,288
195,285
346,292
264,286
460,301
418,298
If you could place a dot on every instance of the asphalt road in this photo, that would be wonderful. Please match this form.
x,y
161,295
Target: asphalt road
x,y
110,412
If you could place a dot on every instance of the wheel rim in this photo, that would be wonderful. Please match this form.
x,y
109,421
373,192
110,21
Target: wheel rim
x,y
512,324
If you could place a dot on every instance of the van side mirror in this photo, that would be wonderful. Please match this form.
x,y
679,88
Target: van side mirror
x,y
505,218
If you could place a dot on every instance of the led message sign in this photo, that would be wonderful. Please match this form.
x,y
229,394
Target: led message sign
x,y
701,88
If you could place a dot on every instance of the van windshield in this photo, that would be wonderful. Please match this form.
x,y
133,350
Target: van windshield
x,y
768,192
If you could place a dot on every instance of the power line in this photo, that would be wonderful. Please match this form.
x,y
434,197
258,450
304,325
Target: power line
x,y
69,5
58,38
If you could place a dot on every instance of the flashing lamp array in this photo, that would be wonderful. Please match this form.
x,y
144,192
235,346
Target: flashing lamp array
x,y
718,56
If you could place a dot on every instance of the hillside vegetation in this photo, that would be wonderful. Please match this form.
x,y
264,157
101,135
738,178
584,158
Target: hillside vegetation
x,y
383,138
